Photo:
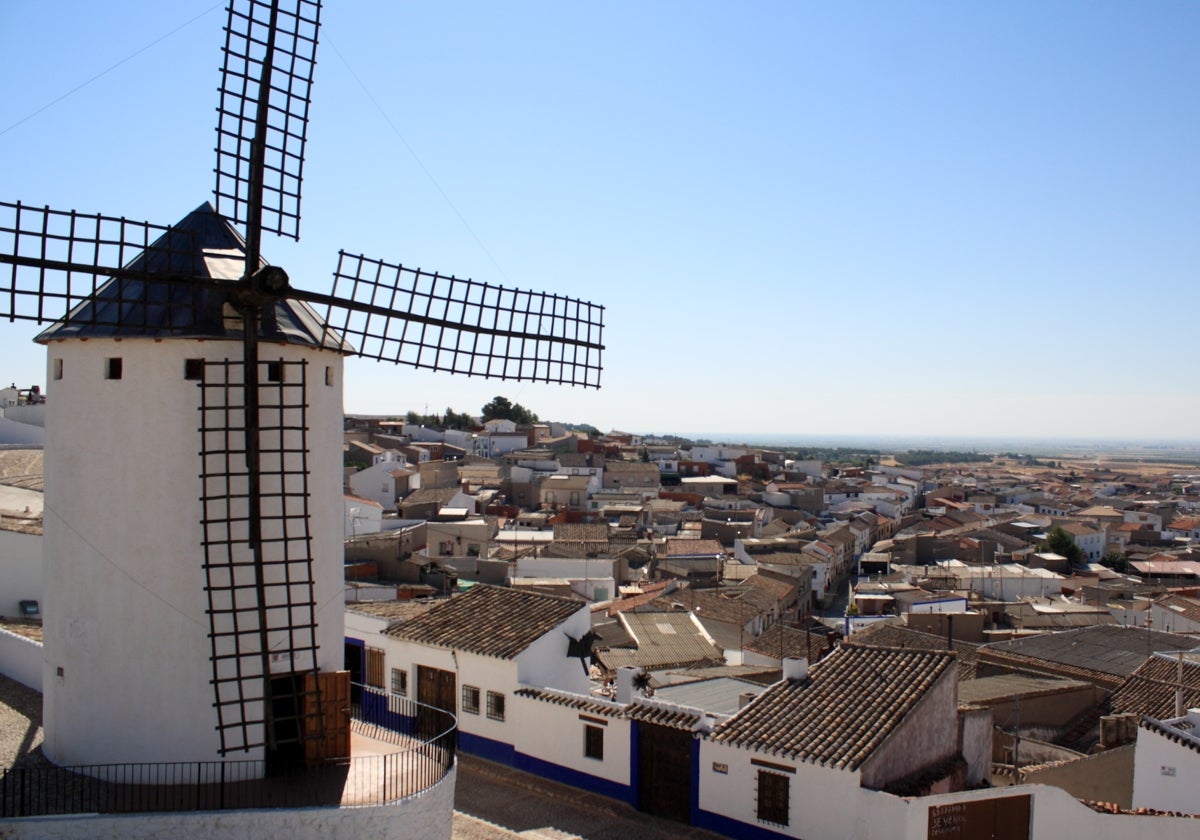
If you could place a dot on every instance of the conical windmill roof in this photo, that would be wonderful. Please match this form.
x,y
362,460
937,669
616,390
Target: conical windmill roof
x,y
202,244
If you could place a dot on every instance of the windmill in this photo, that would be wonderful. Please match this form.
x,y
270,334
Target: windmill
x,y
193,437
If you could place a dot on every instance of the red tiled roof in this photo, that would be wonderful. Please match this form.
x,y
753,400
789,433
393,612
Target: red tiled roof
x,y
490,621
1150,690
848,705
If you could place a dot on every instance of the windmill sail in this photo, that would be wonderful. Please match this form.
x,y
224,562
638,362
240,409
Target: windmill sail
x,y
264,39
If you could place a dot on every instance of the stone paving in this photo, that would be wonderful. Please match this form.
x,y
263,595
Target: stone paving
x,y
493,802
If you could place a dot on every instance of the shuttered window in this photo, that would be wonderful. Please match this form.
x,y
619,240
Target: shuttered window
x,y
375,667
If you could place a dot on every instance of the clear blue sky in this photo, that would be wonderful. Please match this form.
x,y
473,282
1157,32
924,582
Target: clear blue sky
x,y
903,218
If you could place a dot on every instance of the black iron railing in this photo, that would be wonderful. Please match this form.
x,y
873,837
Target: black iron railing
x,y
420,752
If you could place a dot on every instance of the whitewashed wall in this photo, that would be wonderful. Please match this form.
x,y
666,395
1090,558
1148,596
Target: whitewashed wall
x,y
545,663
20,570
360,517
128,674
365,628
569,568
21,659
427,816
29,415
554,733
1055,813
376,483
813,791
827,804
1166,773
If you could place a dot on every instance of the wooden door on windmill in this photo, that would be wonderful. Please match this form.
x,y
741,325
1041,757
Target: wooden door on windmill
x,y
326,716
436,688
665,771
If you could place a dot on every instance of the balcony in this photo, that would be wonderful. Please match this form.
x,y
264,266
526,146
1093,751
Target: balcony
x,y
398,748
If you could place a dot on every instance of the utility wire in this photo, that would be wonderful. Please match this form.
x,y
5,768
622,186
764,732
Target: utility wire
x,y
417,159
108,70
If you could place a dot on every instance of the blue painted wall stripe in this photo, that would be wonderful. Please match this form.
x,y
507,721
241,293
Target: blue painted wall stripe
x,y
574,778
734,828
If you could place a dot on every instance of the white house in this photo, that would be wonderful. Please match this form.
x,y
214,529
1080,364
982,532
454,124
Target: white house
x,y
864,717
469,654
1187,528
363,516
385,481
1166,763
495,444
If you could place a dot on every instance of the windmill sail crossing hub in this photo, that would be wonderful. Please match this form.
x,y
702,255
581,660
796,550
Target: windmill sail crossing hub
x,y
192,452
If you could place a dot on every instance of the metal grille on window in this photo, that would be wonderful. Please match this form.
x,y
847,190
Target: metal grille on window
x,y
773,797
495,705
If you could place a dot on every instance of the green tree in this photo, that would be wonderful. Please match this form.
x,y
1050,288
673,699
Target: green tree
x,y
1116,561
500,408
1060,542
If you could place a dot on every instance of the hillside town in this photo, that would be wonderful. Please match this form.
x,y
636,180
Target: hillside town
x,y
731,638
1062,604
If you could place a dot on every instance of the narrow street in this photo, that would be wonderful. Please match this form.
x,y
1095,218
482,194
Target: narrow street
x,y
493,802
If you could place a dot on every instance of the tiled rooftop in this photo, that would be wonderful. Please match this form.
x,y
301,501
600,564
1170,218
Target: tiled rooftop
x,y
1008,686
489,620
888,634
796,643
1104,651
664,639
1150,690
571,701
676,547
846,707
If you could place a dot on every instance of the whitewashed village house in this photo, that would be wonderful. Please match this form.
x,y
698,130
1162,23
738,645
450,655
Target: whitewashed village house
x,y
469,654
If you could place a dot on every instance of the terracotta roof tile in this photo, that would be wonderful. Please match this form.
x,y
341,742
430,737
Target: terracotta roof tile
x,y
1150,690
888,634
572,701
490,621
846,707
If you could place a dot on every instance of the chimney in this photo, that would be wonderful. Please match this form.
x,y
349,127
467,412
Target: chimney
x,y
795,668
744,698
625,675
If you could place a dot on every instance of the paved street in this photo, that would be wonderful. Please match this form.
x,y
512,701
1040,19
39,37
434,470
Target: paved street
x,y
494,802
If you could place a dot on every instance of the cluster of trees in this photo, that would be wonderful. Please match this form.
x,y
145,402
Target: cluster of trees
x,y
1030,461
840,454
451,419
500,408
1060,542
924,457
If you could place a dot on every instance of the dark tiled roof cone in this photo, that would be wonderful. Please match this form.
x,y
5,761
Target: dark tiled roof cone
x,y
203,244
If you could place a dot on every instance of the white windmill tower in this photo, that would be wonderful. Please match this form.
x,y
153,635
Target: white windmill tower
x,y
193,523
